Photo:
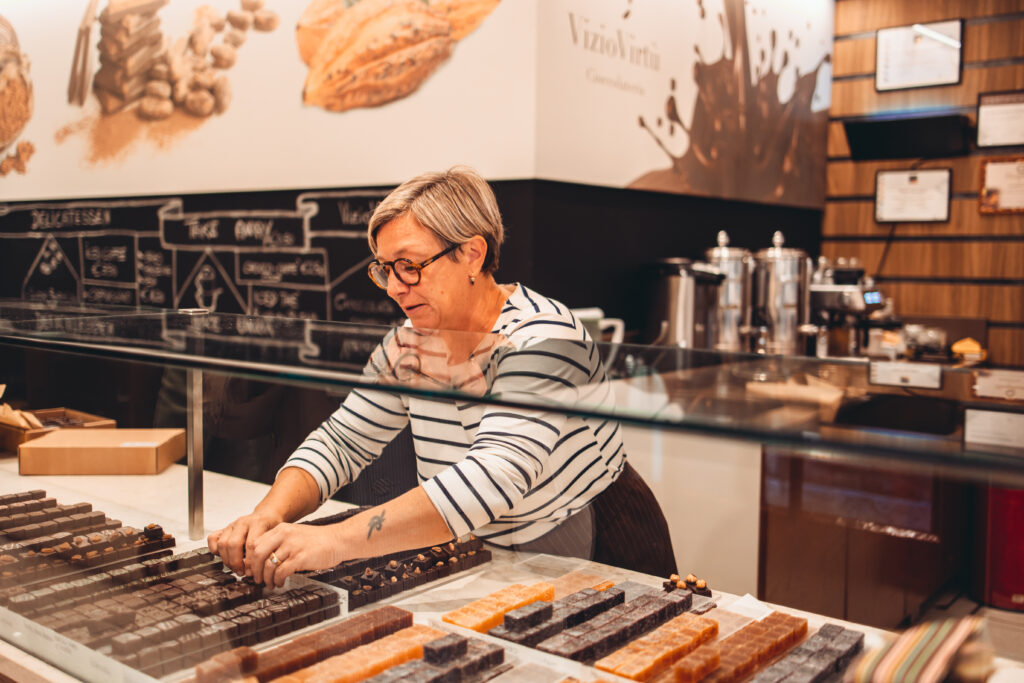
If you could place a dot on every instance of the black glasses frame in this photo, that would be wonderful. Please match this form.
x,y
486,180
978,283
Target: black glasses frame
x,y
389,267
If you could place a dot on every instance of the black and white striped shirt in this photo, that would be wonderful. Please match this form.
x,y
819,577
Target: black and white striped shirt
x,y
508,474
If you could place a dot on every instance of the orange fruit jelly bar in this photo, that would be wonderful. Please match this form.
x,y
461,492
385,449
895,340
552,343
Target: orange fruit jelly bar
x,y
489,611
370,659
647,656
697,664
748,649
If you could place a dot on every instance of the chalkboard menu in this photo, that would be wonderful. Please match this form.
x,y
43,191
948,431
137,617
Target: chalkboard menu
x,y
305,261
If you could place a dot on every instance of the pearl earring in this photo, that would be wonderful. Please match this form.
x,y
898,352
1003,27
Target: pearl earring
x,y
472,279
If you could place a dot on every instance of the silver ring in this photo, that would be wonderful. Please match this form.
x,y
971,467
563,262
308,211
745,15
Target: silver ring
x,y
273,559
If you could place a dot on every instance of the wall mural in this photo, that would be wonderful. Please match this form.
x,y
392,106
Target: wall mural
x,y
374,51
725,98
142,97
15,102
190,99
745,142
107,98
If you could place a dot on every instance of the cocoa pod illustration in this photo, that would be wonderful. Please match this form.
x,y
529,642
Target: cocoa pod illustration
x,y
377,51
314,23
464,15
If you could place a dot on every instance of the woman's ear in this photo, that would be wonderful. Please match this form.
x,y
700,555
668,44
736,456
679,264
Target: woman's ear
x,y
474,252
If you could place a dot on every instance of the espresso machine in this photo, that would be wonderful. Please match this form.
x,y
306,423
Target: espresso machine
x,y
730,326
781,312
842,299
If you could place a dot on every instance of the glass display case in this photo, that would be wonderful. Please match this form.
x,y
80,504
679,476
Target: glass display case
x,y
860,492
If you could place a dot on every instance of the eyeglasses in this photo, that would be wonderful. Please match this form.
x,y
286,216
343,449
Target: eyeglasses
x,y
407,271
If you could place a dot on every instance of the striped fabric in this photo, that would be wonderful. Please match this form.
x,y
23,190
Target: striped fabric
x,y
922,654
508,474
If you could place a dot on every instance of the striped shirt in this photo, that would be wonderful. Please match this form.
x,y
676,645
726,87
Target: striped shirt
x,y
508,474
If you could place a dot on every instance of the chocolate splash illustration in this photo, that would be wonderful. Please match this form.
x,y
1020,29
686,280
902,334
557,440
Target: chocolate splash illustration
x,y
744,142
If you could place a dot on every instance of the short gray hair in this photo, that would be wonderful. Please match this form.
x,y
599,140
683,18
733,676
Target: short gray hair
x,y
455,205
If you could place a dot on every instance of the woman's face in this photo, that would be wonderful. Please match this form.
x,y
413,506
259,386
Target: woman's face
x,y
442,297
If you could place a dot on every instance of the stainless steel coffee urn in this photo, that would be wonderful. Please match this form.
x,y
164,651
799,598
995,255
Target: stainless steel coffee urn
x,y
686,303
782,298
730,326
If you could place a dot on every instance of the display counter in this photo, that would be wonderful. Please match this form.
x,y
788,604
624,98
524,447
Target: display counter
x,y
136,500
795,401
722,440
157,498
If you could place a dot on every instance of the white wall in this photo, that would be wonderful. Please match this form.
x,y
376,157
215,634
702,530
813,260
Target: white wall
x,y
477,108
709,490
541,89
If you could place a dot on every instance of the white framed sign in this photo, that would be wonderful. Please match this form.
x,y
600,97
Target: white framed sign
x,y
918,56
1001,119
918,196
1002,186
905,374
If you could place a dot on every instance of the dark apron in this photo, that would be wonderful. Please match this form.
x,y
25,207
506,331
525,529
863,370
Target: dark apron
x,y
623,527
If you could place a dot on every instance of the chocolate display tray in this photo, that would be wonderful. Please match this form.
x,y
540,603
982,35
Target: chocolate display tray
x,y
90,665
432,564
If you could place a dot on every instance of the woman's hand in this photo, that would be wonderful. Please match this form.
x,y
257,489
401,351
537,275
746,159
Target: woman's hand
x,y
234,543
290,548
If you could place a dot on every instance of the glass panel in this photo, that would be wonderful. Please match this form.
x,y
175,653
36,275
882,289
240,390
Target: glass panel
x,y
787,478
772,399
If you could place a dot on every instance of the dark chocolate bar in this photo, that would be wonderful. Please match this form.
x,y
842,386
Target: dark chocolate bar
x,y
596,636
444,650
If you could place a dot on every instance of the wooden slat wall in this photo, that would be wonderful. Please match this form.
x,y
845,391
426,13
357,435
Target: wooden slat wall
x,y
972,266
858,16
857,96
845,219
984,260
982,43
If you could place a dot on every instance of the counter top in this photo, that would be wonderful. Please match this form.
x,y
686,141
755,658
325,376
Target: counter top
x,y
138,499
161,498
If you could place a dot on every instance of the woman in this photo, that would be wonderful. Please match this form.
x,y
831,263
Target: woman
x,y
525,479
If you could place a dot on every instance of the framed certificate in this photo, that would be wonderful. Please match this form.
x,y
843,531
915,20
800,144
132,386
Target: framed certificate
x,y
1002,186
1001,119
913,196
918,56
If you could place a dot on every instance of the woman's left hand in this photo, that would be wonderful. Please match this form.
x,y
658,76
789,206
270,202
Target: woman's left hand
x,y
290,548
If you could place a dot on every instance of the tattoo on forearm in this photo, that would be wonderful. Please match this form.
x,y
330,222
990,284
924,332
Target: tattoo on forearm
x,y
375,524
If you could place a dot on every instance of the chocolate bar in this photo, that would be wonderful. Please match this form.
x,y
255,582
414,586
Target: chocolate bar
x,y
371,579
307,649
565,613
21,497
372,658
648,655
478,657
530,615
418,671
118,11
120,36
596,637
444,650
484,614
113,53
827,652
134,64
749,648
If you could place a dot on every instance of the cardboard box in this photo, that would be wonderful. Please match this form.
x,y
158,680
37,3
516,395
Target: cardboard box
x,y
11,437
102,451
